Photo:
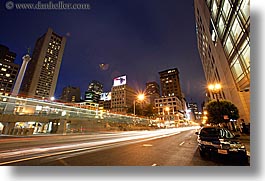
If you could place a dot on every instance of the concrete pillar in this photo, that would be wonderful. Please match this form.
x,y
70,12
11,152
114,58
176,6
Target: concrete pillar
x,y
62,127
8,128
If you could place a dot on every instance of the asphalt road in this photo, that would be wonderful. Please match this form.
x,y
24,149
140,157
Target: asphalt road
x,y
162,148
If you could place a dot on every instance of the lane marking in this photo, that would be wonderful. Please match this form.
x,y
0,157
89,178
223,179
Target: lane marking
x,y
147,145
181,143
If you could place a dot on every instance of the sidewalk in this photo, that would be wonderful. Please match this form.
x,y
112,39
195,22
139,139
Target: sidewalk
x,y
245,139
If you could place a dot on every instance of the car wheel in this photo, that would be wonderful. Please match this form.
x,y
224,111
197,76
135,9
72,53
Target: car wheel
x,y
202,153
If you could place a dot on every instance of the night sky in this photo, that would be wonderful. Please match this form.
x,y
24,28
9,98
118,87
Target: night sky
x,y
137,38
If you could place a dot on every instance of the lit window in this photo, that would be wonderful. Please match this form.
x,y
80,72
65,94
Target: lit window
x,y
236,30
7,75
226,9
3,69
228,45
221,25
245,8
214,10
246,57
237,69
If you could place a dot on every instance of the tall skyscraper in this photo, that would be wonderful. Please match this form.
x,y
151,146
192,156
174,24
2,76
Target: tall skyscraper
x,y
8,70
94,91
71,94
152,92
193,107
170,84
42,73
223,37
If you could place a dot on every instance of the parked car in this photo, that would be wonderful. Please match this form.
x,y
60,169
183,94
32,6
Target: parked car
x,y
220,141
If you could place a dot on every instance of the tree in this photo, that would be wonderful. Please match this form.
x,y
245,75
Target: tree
x,y
218,109
146,110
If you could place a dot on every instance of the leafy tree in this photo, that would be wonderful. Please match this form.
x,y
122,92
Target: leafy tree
x,y
146,110
218,109
149,111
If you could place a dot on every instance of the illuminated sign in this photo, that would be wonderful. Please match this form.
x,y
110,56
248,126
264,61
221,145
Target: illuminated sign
x,y
106,96
119,81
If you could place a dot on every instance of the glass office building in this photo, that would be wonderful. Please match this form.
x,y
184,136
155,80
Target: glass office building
x,y
223,36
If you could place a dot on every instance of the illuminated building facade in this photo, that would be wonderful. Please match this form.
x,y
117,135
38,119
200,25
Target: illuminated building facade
x,y
170,84
122,95
42,72
105,101
223,37
94,92
152,92
193,107
8,70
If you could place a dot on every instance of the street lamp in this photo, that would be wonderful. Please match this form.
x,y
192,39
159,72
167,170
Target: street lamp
x,y
167,109
140,97
215,89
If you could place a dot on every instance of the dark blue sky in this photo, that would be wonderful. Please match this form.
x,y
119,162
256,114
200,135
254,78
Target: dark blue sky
x,y
137,38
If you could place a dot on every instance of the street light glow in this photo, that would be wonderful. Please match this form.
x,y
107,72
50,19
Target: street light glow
x,y
214,87
141,97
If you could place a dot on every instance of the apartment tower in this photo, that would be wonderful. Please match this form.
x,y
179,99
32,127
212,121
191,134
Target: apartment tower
x,y
42,72
8,70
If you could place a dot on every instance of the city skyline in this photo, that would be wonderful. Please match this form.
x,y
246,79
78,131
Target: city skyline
x,y
137,44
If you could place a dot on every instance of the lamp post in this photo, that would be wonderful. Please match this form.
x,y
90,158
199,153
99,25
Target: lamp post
x,y
140,97
215,90
167,109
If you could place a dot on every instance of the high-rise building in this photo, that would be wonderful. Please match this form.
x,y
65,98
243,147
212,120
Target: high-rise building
x,y
8,70
71,94
170,84
193,107
105,101
122,95
122,98
42,72
223,37
94,91
152,92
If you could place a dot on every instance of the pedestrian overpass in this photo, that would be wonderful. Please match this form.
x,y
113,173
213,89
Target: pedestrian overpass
x,y
20,116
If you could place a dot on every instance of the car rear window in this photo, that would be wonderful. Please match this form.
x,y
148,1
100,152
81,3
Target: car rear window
x,y
212,132
215,132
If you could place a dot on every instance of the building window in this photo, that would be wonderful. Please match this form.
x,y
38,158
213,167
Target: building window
x,y
237,69
221,26
228,45
226,9
214,10
245,55
245,8
236,30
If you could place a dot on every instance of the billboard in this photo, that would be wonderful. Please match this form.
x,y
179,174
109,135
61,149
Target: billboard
x,y
120,81
106,96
